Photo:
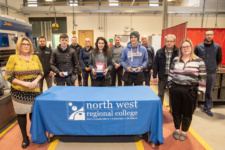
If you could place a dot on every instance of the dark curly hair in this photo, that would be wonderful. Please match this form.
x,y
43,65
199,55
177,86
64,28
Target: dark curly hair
x,y
106,50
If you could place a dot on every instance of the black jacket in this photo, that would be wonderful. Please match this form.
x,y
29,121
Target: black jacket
x,y
159,63
151,54
84,57
64,60
44,54
211,54
77,49
92,63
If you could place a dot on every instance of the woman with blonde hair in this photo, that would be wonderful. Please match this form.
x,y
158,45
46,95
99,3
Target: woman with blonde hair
x,y
187,79
23,71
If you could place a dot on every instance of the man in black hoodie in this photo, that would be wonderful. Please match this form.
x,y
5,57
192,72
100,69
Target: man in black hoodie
x,y
64,62
211,53
44,54
77,48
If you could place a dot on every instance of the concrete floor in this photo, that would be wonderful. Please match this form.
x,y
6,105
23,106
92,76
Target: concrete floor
x,y
208,129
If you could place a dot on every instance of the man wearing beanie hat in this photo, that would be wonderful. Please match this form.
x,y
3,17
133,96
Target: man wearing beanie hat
x,y
134,59
135,33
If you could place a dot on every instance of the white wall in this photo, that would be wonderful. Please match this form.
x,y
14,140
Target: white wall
x,y
194,20
16,4
115,23
193,3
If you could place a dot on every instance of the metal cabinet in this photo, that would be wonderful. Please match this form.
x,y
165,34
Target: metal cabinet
x,y
7,113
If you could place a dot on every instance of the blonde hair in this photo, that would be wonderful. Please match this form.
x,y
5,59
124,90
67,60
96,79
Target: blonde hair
x,y
193,56
19,44
170,36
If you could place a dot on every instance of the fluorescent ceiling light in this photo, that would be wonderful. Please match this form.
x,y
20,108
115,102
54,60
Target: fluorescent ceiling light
x,y
32,3
113,3
74,3
48,0
153,3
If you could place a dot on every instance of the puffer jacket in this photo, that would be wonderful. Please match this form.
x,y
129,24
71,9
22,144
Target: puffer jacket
x,y
64,60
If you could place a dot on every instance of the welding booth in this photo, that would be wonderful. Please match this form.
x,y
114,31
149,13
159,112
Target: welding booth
x,y
10,30
197,36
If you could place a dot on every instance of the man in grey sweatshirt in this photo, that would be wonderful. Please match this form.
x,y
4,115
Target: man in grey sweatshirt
x,y
116,56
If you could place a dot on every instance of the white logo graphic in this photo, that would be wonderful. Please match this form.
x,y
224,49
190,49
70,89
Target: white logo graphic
x,y
77,114
99,67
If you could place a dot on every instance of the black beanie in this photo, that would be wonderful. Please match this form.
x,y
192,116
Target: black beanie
x,y
135,33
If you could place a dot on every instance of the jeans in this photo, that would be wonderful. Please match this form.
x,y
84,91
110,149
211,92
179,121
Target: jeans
x,y
210,82
162,87
85,75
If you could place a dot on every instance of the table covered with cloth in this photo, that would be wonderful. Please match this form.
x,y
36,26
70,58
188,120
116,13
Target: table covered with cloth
x,y
97,111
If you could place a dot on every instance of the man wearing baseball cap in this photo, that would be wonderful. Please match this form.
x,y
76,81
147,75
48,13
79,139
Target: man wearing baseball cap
x,y
134,59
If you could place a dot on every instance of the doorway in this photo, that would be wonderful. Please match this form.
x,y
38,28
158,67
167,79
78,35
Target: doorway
x,y
83,34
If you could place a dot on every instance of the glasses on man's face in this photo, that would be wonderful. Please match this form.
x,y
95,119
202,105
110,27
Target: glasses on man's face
x,y
25,45
185,47
170,41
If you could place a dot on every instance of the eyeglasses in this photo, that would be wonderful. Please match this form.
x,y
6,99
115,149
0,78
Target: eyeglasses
x,y
25,45
170,41
184,47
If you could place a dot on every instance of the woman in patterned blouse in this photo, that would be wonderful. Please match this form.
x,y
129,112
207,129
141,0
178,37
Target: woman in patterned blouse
x,y
187,79
23,71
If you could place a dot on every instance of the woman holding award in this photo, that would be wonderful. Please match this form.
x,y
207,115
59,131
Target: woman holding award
x,y
100,63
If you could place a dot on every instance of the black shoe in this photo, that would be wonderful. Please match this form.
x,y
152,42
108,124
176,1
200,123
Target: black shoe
x,y
208,112
25,143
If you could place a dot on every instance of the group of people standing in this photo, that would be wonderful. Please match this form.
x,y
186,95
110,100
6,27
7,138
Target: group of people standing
x,y
102,63
186,71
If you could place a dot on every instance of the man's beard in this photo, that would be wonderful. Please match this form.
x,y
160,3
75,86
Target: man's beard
x,y
208,40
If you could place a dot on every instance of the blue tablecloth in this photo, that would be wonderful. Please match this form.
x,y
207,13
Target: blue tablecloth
x,y
70,110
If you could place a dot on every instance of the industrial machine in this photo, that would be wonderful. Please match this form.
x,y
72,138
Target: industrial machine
x,y
10,30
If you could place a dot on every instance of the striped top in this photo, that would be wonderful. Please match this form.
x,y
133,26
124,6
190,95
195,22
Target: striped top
x,y
191,73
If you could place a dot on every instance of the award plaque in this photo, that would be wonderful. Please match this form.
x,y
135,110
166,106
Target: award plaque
x,y
100,67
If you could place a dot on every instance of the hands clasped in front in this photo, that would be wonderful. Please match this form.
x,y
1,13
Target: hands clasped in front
x,y
31,85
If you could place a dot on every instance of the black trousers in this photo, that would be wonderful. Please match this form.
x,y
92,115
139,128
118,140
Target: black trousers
x,y
48,81
101,81
85,75
183,100
63,80
119,72
147,77
133,78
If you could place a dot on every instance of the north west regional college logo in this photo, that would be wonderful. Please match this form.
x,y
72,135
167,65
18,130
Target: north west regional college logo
x,y
75,111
